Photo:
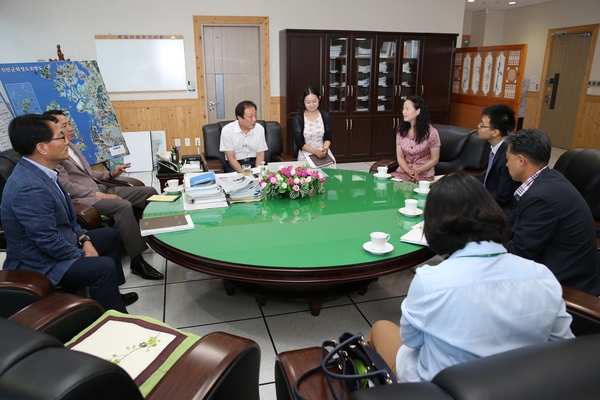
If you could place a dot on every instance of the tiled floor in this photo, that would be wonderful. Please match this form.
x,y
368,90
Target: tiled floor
x,y
197,303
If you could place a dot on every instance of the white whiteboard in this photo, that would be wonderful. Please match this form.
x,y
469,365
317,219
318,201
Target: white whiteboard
x,y
141,65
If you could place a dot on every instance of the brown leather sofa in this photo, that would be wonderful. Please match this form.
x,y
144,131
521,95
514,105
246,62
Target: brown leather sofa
x,y
461,150
215,159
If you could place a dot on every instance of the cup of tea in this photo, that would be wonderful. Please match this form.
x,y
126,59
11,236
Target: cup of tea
x,y
173,184
410,205
378,240
247,170
382,171
424,186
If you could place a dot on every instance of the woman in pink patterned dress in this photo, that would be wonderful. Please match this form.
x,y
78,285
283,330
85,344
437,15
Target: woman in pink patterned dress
x,y
311,127
417,142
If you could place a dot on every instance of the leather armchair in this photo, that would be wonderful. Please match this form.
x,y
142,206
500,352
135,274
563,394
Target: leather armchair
x,y
87,216
582,168
553,370
461,150
215,158
36,366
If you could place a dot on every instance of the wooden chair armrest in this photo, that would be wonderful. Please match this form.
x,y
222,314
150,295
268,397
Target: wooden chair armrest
x,y
125,181
390,163
31,282
582,303
221,365
88,217
214,165
62,316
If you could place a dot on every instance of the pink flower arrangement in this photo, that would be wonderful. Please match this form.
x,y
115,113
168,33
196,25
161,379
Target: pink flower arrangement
x,y
292,181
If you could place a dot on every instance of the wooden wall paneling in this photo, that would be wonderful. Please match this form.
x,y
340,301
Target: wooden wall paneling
x,y
587,132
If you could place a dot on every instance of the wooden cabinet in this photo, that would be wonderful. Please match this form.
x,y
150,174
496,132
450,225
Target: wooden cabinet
x,y
364,78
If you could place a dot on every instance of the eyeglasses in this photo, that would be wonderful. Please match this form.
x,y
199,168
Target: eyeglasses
x,y
63,138
483,126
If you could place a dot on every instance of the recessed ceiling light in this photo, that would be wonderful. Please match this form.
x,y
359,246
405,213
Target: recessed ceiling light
x,y
512,2
470,1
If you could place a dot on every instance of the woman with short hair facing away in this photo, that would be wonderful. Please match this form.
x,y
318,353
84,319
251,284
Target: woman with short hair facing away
x,y
311,127
417,142
480,301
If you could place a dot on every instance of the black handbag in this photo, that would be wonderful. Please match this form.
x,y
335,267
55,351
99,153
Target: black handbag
x,y
359,366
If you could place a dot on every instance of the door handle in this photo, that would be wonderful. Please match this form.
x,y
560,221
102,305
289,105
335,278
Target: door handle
x,y
554,91
212,103
346,123
422,89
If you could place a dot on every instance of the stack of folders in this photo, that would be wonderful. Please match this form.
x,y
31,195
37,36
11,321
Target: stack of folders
x,y
202,191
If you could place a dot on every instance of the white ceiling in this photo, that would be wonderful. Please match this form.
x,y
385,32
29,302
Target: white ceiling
x,y
479,5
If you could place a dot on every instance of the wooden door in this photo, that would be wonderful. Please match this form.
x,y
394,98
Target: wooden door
x,y
435,78
383,142
568,60
359,138
232,62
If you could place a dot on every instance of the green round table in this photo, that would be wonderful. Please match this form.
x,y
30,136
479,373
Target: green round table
x,y
310,248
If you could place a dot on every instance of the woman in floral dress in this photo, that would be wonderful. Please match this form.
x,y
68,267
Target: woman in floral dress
x,y
311,127
417,142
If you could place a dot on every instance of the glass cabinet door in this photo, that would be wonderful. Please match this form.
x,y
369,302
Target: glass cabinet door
x,y
338,63
410,68
386,68
361,79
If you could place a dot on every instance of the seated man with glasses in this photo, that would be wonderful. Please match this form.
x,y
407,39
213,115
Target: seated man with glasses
x,y
243,141
40,224
120,203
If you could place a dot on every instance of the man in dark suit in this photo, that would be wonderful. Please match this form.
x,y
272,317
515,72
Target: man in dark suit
x,y
497,121
40,224
553,223
87,186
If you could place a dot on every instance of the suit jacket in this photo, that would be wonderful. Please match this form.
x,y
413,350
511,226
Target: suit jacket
x,y
40,223
499,182
554,226
81,183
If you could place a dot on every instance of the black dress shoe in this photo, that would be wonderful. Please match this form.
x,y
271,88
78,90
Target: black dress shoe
x,y
145,270
129,298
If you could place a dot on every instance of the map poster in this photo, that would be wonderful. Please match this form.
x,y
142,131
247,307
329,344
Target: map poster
x,y
77,88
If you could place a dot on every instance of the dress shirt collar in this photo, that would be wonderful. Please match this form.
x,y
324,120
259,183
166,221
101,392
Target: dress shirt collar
x,y
527,184
51,173
497,146
74,156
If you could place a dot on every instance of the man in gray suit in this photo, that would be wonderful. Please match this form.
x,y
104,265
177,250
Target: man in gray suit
x,y
89,187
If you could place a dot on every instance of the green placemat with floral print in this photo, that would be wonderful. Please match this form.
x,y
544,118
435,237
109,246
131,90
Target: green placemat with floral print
x,y
144,347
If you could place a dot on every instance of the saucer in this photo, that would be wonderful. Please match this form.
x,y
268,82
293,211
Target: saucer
x,y
388,247
386,176
422,193
403,211
169,190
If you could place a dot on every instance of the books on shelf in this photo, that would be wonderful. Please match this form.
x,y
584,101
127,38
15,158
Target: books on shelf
x,y
165,224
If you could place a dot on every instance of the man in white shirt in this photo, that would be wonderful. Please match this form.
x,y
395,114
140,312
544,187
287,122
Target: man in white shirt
x,y
243,141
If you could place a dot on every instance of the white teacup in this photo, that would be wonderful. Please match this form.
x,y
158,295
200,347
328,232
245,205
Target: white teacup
x,y
424,186
378,240
410,205
382,171
173,184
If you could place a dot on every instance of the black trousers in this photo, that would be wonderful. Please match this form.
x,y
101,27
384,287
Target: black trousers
x,y
102,274
251,161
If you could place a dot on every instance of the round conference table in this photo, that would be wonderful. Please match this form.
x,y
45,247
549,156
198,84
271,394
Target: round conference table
x,y
304,249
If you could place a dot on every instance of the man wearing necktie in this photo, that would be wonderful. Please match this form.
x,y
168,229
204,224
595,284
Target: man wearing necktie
x,y
497,121
40,224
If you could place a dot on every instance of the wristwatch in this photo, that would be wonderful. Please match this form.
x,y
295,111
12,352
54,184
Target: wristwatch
x,y
84,239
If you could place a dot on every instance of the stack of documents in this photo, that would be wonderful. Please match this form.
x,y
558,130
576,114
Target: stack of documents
x,y
169,223
239,188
